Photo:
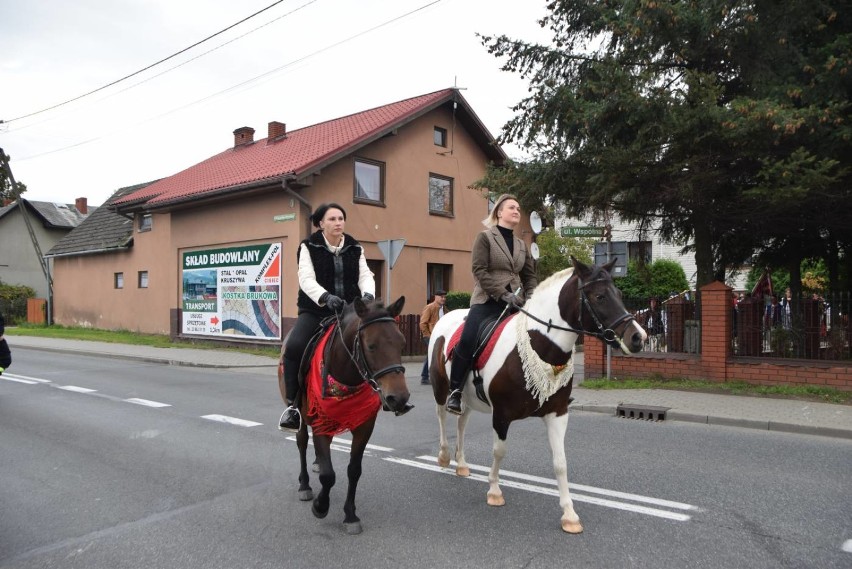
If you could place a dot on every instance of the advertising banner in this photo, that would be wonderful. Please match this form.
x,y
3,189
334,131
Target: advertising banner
x,y
233,291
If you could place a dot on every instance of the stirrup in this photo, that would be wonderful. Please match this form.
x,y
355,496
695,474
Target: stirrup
x,y
290,429
458,411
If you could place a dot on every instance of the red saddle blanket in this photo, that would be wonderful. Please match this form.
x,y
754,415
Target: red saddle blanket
x,y
486,352
332,406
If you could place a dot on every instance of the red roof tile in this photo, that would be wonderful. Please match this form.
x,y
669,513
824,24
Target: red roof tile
x,y
297,153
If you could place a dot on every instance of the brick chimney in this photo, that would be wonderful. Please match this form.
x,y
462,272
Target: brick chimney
x,y
82,205
276,130
243,135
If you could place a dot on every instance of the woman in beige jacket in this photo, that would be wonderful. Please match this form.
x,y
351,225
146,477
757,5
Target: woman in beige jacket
x,y
504,274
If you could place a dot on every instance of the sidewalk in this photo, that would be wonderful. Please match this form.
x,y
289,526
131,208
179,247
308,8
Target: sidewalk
x,y
764,413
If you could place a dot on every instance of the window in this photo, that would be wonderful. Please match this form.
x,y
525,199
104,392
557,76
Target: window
x,y
143,279
440,195
438,277
440,136
118,280
145,222
369,181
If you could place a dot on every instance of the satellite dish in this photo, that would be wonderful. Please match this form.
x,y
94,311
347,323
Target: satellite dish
x,y
534,251
535,222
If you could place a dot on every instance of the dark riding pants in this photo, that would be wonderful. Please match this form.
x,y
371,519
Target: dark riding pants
x,y
464,350
306,326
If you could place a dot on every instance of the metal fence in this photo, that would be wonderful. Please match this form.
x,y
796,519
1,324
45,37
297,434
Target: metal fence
x,y
673,326
814,327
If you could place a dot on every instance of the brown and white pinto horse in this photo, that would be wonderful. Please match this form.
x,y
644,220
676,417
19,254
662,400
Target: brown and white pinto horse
x,y
359,371
529,372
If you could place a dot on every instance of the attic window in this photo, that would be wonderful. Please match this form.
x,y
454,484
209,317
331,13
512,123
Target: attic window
x,y
440,136
145,222
369,181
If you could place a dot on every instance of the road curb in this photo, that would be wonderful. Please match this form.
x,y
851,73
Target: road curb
x,y
686,417
145,359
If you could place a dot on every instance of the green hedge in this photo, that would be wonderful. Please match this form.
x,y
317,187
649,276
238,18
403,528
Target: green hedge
x,y
457,299
13,302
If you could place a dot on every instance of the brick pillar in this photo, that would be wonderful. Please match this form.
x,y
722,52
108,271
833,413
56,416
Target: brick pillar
x,y
594,357
716,330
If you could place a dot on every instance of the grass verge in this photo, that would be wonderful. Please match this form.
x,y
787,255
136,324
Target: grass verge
x,y
806,393
135,338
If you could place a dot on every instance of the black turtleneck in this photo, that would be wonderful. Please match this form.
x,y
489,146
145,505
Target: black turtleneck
x,y
509,236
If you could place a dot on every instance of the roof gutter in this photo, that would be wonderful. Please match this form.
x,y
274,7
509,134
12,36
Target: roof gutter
x,y
89,252
285,183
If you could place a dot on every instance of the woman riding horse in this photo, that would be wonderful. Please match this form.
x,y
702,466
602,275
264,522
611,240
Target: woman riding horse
x,y
504,276
332,270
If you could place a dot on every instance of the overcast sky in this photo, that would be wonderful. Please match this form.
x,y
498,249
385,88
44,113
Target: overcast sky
x,y
300,68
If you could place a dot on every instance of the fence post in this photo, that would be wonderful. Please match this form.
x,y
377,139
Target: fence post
x,y
675,323
810,313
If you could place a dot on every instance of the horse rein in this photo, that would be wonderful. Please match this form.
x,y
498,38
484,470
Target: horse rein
x,y
360,360
606,334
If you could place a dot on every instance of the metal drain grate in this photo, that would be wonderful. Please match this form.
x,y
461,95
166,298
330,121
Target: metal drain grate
x,y
643,412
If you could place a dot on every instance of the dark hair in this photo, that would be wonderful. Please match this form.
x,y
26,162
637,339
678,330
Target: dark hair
x,y
317,216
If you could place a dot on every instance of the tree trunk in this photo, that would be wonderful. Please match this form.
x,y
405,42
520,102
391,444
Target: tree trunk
x,y
703,253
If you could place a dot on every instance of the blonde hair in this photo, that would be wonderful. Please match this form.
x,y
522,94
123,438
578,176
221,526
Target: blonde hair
x,y
491,220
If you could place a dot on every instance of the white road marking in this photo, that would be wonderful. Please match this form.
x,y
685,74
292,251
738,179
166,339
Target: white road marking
x,y
76,389
146,402
231,420
847,546
635,508
580,487
349,442
23,378
15,379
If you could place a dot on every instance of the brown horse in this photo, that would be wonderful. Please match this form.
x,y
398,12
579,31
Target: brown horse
x,y
356,369
529,372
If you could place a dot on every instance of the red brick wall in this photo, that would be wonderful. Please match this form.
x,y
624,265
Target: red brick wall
x,y
716,362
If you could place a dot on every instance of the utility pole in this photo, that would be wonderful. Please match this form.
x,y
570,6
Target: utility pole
x,y
25,214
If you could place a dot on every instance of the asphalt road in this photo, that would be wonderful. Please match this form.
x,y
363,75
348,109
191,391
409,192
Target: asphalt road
x,y
111,464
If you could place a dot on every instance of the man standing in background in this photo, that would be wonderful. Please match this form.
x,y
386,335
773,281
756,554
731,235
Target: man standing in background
x,y
428,318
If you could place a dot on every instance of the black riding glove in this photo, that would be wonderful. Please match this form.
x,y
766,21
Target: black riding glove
x,y
512,300
334,303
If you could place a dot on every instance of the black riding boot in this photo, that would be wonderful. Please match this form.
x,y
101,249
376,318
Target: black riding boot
x,y
290,418
458,375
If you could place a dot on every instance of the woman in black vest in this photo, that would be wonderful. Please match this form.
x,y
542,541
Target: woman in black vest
x,y
332,271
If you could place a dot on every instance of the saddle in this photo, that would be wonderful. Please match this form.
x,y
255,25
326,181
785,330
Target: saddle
x,y
486,338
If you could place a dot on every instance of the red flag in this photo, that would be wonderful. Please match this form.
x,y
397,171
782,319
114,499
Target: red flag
x,y
763,287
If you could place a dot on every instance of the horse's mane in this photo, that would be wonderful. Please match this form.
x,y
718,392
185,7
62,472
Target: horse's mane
x,y
556,279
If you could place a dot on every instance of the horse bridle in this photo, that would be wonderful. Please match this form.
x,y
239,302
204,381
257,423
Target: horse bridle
x,y
604,333
360,360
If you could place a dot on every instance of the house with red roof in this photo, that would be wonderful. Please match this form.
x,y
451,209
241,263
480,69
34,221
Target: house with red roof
x,y
211,250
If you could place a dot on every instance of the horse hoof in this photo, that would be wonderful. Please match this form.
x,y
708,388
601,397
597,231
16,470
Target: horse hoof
x,y
572,527
317,513
462,471
496,500
353,529
443,462
306,495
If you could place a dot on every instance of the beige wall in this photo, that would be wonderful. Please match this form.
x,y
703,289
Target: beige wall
x,y
84,293
409,157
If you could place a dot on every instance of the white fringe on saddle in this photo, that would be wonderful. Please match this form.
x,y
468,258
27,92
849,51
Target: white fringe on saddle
x,y
543,379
